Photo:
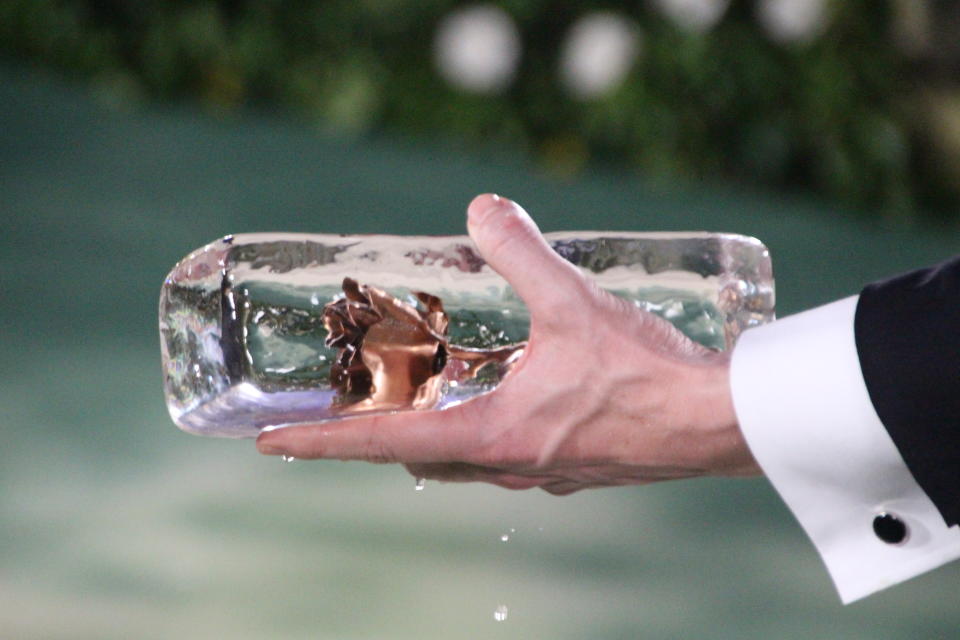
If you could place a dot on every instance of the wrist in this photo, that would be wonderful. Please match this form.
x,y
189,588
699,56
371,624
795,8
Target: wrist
x,y
712,419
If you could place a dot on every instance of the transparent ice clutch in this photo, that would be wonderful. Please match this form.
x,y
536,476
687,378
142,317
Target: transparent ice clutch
x,y
269,329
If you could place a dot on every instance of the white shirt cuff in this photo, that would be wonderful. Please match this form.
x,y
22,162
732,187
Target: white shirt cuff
x,y
807,417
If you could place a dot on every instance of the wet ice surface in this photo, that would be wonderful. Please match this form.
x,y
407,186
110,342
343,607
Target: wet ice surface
x,y
244,344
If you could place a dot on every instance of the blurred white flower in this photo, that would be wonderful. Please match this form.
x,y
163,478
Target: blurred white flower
x,y
790,21
598,53
477,48
694,15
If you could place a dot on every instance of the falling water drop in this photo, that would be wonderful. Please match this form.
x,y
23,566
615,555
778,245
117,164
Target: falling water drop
x,y
504,537
287,458
419,485
500,613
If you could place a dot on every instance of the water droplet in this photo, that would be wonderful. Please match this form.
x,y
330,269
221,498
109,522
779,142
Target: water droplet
x,y
500,613
314,299
504,537
419,485
287,458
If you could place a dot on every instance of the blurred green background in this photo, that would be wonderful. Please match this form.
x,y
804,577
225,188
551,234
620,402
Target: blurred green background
x,y
858,100
117,525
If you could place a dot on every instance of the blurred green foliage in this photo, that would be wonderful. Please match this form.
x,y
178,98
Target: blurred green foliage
x,y
849,114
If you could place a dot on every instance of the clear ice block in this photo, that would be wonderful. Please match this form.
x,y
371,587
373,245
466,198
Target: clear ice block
x,y
268,329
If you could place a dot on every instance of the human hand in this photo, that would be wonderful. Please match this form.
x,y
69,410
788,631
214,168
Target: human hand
x,y
604,394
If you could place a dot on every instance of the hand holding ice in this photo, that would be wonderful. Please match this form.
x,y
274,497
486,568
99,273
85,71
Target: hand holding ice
x,y
267,329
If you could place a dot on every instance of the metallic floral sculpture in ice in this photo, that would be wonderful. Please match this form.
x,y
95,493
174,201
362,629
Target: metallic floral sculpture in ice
x,y
392,355
267,329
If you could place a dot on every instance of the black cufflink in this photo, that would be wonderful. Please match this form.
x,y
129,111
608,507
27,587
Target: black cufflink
x,y
890,528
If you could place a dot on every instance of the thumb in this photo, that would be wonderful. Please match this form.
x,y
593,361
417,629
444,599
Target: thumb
x,y
510,242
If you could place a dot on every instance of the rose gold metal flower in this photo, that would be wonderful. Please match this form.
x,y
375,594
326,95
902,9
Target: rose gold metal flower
x,y
392,355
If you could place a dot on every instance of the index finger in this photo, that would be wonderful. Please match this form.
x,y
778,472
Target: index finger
x,y
446,435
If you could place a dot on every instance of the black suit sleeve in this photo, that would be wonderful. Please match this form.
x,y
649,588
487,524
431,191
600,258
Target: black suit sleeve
x,y
908,339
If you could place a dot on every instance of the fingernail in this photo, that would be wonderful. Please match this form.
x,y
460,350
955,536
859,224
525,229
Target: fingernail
x,y
270,450
496,203
499,204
